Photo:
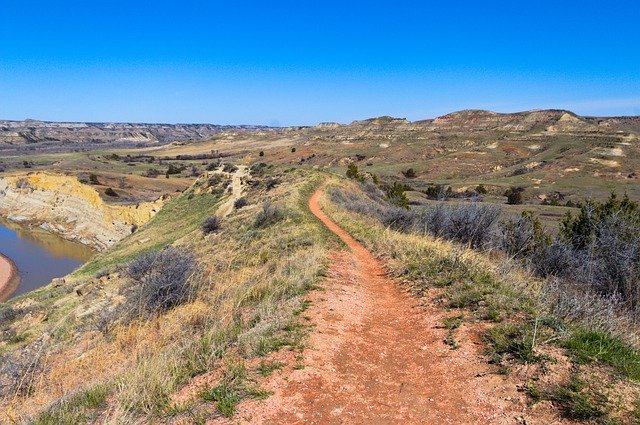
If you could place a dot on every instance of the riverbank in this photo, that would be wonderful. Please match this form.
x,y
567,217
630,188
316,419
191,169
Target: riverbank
x,y
9,278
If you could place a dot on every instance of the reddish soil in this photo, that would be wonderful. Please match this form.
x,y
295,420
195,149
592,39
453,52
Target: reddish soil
x,y
376,356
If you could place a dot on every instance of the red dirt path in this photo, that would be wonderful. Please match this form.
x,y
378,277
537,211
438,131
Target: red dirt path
x,y
376,356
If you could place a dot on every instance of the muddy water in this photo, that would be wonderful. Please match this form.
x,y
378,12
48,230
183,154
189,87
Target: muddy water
x,y
40,256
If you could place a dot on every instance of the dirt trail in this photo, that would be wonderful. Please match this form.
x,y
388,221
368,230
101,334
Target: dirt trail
x,y
237,188
376,357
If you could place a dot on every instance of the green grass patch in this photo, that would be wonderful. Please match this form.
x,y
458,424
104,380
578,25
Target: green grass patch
x,y
267,368
81,407
453,322
592,346
175,220
233,387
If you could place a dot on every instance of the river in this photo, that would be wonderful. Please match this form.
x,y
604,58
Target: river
x,y
39,255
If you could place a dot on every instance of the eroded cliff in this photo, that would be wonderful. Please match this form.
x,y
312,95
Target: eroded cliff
x,y
75,211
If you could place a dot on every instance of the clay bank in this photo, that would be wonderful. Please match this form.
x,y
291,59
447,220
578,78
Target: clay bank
x,y
50,224
62,205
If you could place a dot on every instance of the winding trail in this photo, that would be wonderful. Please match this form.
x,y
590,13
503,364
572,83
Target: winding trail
x,y
376,356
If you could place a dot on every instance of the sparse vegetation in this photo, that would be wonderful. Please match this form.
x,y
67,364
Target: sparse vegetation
x,y
269,214
530,314
481,189
542,295
576,402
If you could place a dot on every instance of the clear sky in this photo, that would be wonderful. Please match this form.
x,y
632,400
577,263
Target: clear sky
x,y
304,62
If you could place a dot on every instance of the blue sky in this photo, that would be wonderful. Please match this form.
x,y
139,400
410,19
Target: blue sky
x,y
287,63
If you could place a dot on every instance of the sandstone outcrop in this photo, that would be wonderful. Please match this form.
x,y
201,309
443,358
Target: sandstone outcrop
x,y
63,205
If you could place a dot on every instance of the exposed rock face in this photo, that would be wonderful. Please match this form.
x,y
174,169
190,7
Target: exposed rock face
x,y
63,205
52,135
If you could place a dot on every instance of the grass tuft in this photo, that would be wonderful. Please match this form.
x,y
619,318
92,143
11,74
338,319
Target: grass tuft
x,y
591,346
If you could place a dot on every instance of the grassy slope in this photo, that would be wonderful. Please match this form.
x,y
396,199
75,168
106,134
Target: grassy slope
x,y
253,280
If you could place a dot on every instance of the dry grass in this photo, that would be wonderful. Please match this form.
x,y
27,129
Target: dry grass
x,y
252,285
523,320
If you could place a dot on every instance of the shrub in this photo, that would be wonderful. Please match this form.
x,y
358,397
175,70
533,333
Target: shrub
x,y
213,165
93,179
583,228
470,224
396,195
240,203
229,168
514,195
261,153
270,183
373,191
173,170
605,238
554,259
438,191
152,173
410,173
164,278
481,189
522,236
270,214
293,150
111,192
210,225
353,172
397,218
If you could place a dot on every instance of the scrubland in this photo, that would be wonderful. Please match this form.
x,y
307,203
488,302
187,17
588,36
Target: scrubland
x,y
564,342
103,346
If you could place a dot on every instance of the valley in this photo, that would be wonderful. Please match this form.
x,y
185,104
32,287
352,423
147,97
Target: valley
x,y
247,274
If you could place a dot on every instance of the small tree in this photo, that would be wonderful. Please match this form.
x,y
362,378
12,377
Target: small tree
x,y
514,195
396,195
173,169
111,192
353,172
410,173
293,150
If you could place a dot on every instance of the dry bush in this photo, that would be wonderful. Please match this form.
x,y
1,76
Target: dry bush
x,y
210,225
164,278
269,214
470,224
